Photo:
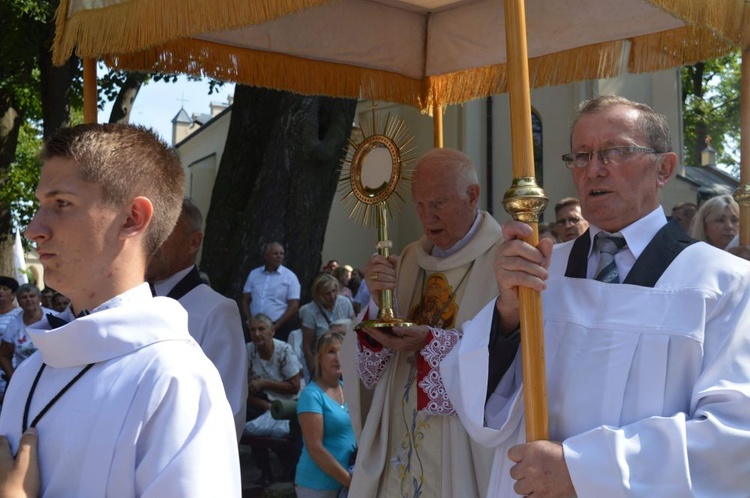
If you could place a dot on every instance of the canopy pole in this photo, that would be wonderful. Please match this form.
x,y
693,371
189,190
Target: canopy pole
x,y
89,90
437,124
743,191
526,201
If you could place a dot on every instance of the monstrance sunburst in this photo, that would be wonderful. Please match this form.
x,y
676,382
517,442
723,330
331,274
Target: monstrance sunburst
x,y
374,169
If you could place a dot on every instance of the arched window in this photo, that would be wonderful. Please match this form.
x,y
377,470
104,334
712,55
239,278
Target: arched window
x,y
536,130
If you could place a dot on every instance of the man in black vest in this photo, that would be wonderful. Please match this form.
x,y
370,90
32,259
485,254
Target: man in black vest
x,y
213,320
647,337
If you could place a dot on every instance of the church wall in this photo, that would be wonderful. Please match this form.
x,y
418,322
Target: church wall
x,y
200,156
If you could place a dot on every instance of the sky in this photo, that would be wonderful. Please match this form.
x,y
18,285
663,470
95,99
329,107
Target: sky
x,y
158,102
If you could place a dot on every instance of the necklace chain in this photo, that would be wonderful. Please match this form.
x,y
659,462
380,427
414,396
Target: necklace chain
x,y
325,389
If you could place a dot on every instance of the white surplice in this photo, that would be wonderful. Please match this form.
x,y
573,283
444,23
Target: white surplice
x,y
149,419
214,322
648,388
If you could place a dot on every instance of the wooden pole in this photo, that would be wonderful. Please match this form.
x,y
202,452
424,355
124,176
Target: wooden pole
x,y
89,90
437,123
743,192
525,201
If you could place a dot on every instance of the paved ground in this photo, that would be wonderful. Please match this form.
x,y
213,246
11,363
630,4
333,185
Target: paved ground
x,y
251,474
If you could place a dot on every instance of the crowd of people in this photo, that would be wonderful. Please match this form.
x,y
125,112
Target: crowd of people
x,y
23,306
715,221
143,382
302,366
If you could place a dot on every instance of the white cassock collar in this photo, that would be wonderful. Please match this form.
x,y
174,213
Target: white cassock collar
x,y
127,322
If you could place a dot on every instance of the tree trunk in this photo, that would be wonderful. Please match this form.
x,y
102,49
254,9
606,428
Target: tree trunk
x,y
125,98
276,182
10,124
57,82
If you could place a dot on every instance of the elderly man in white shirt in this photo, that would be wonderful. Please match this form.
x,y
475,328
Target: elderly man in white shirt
x,y
273,290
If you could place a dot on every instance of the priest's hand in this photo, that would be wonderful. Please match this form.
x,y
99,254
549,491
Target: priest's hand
x,y
19,477
540,470
518,264
380,274
401,338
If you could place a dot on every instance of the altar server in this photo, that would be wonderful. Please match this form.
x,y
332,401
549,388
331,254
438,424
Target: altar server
x,y
124,401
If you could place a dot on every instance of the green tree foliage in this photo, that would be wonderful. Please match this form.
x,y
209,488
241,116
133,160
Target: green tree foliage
x,y
26,33
17,191
23,34
111,83
122,87
19,42
35,100
711,106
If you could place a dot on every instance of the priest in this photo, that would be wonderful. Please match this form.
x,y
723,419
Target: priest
x,y
412,443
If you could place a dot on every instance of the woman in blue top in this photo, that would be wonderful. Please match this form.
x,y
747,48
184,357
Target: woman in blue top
x,y
326,429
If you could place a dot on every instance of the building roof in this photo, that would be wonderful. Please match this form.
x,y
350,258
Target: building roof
x,y
202,118
711,181
182,117
202,126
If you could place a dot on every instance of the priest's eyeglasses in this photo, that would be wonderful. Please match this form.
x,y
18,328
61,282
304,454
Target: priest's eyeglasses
x,y
611,155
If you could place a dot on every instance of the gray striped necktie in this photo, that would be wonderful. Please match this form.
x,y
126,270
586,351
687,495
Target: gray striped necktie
x,y
608,246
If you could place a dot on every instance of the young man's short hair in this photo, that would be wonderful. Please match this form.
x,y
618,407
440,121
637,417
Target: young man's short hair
x,y
126,162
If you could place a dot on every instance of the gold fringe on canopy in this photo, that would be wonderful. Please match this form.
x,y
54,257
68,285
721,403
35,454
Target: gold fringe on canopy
x,y
590,62
678,47
601,60
463,86
654,52
310,77
728,18
271,70
132,25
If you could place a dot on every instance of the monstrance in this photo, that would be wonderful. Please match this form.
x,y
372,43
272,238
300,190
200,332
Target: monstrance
x,y
373,183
